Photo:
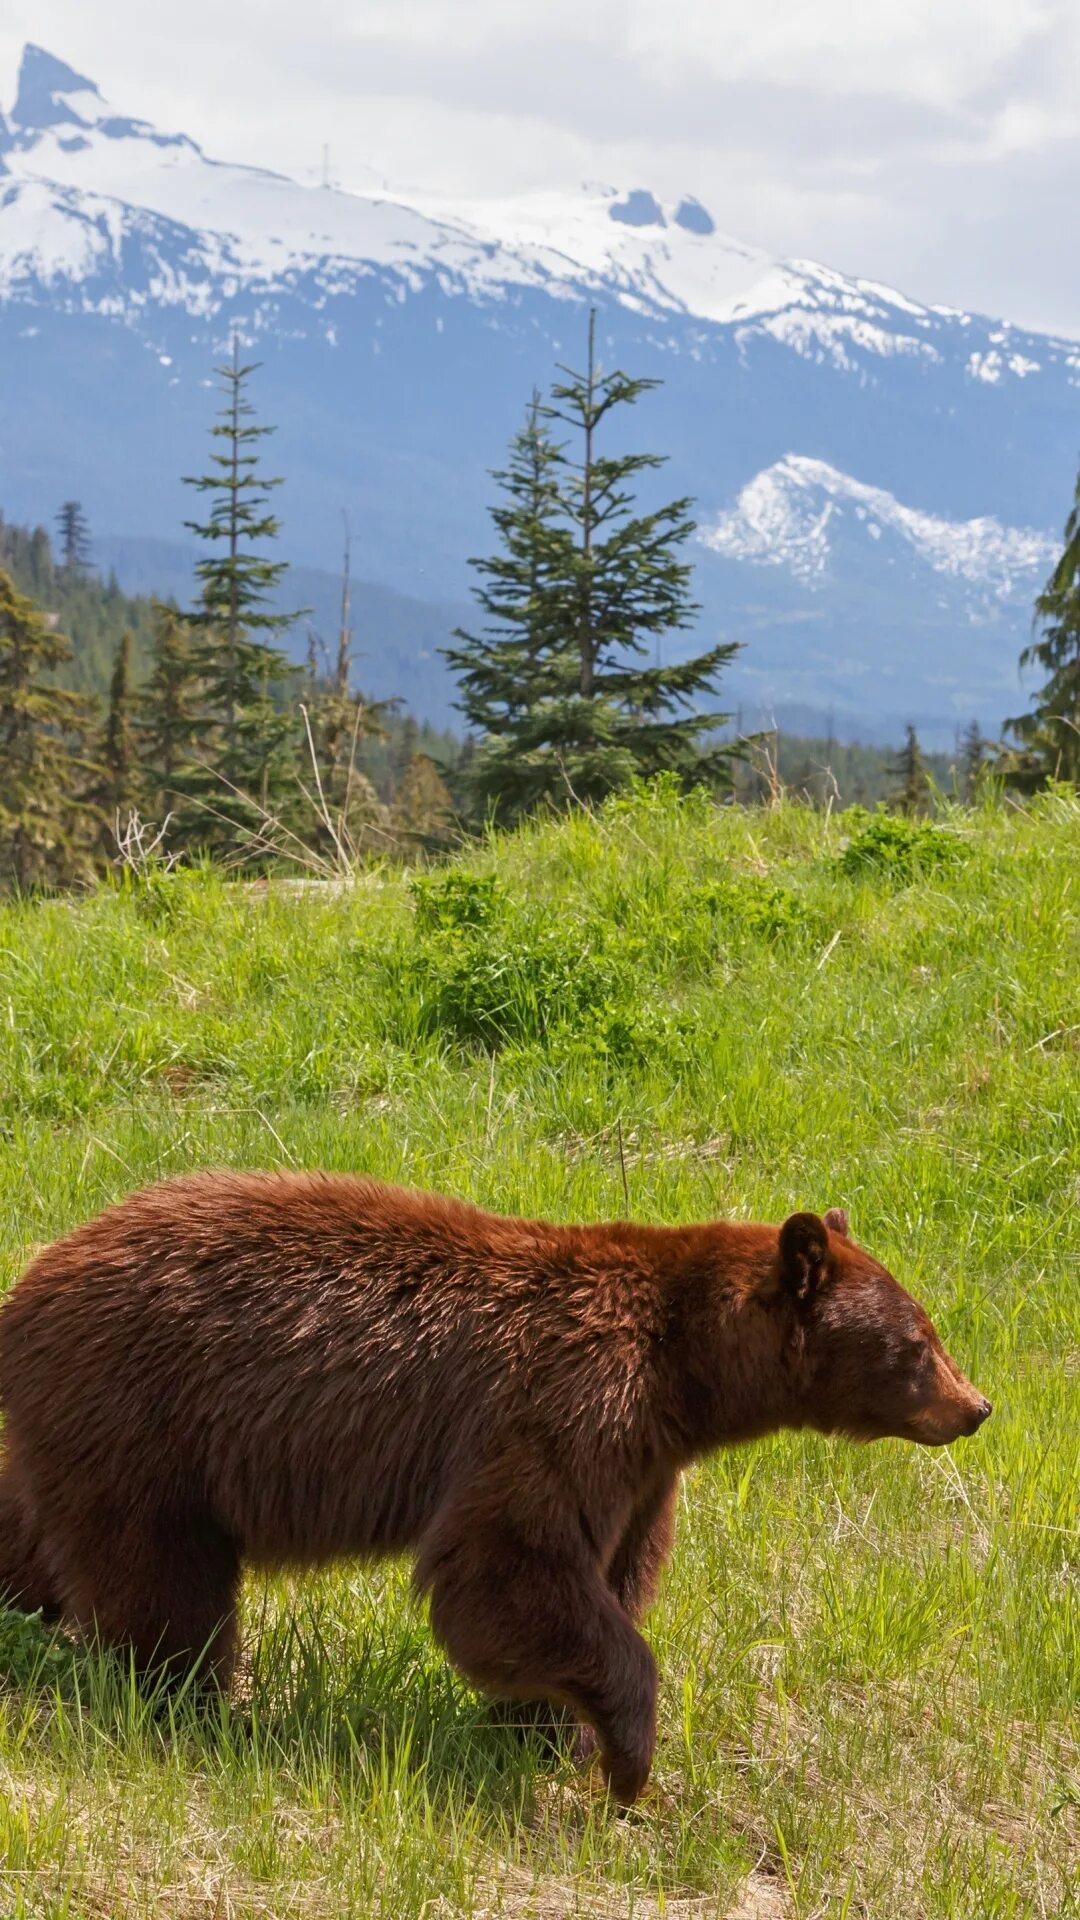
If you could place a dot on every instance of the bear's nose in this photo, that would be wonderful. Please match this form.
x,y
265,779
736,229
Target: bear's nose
x,y
982,1412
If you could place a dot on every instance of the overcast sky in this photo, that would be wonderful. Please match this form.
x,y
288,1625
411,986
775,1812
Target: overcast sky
x,y
931,143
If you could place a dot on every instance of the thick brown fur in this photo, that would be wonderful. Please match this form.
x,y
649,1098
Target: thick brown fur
x,y
271,1370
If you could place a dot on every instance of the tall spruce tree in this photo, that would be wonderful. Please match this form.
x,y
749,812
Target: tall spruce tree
x,y
47,823
912,788
520,662
171,725
118,791
74,533
1048,737
248,768
422,804
566,685
975,752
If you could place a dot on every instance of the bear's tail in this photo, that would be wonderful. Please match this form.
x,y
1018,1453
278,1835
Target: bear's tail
x,y
25,1581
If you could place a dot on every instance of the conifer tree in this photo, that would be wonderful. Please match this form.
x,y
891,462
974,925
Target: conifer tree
x,y
406,746
171,727
74,538
974,756
1048,737
119,788
566,685
520,661
250,762
47,827
423,803
909,771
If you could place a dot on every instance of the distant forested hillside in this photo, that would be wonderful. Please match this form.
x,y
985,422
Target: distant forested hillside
x,y
820,770
94,612
91,611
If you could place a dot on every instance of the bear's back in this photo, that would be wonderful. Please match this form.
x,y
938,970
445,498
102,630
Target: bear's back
x,y
324,1354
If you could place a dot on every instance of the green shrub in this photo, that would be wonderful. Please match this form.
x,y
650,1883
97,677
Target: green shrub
x,y
892,847
522,985
33,1654
746,903
482,972
455,902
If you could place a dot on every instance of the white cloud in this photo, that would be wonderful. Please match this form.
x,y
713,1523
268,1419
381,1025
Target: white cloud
x,y
931,50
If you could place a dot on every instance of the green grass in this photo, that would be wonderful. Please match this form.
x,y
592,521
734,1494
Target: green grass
x,y
870,1657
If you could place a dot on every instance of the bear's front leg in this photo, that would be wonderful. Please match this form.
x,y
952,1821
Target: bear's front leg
x,y
638,1560
524,1618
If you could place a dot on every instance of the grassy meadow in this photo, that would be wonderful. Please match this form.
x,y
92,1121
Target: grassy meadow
x,y
870,1657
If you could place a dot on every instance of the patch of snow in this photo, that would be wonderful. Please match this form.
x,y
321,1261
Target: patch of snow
x,y
828,336
993,366
783,517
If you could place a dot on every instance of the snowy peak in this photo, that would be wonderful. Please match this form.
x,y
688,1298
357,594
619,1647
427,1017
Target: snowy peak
x,y
60,112
655,256
52,94
798,513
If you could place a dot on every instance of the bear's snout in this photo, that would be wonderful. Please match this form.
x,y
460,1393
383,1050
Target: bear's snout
x,y
980,1412
957,1410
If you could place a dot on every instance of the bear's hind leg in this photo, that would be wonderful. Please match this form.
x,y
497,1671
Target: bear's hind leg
x,y
165,1588
522,1621
26,1581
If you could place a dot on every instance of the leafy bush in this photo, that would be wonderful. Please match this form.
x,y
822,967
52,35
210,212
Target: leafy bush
x,y
522,985
748,903
483,972
455,902
33,1654
891,846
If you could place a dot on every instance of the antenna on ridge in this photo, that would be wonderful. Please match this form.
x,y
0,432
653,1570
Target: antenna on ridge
x,y
326,166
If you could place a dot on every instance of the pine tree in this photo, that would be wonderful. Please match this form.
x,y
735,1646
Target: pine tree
x,y
74,538
171,727
974,755
1048,738
47,828
584,590
250,751
511,671
119,787
405,747
423,803
909,771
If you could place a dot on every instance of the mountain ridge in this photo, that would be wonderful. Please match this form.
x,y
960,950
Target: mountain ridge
x,y
401,337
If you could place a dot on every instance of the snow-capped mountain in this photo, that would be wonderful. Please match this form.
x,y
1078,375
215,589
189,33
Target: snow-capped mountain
x,y
401,337
796,514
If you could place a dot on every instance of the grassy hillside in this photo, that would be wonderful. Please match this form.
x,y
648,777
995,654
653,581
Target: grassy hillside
x,y
870,1657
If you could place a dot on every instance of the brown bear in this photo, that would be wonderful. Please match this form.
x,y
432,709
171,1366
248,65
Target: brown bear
x,y
283,1369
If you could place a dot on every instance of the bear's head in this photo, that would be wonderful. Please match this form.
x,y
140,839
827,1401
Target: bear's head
x,y
872,1363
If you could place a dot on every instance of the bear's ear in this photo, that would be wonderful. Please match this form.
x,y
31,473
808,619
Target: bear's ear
x,y
804,1254
836,1221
